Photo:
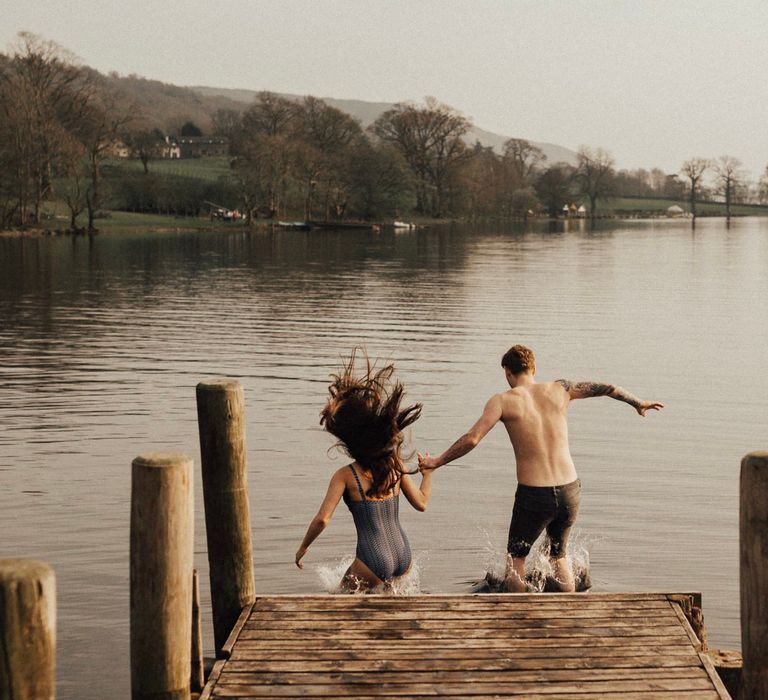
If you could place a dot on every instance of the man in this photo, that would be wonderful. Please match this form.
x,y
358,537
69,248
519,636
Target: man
x,y
548,492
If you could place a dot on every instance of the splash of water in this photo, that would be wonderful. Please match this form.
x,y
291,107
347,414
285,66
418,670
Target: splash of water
x,y
331,573
539,575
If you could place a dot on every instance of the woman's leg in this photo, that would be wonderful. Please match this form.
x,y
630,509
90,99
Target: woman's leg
x,y
359,578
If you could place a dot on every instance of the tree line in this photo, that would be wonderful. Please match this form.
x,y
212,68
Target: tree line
x,y
59,123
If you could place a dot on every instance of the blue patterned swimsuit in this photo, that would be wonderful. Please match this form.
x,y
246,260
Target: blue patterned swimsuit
x,y
381,543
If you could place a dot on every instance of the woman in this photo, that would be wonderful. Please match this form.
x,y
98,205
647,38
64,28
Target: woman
x,y
364,414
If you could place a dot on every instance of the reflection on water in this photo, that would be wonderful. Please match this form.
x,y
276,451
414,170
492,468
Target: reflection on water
x,y
103,341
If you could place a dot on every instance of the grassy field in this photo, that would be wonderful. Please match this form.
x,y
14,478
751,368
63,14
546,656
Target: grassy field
x,y
126,219
59,219
660,206
210,169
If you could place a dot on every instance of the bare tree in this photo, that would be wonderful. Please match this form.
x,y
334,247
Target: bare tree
x,y
261,167
326,136
43,95
594,175
431,139
729,177
762,187
226,122
264,146
308,165
98,130
269,114
694,170
144,142
524,157
74,169
484,185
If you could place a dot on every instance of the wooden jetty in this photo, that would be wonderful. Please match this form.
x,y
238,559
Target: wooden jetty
x,y
548,646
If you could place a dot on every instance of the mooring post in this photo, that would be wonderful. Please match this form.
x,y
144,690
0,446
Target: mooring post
x,y
162,525
753,541
221,420
27,630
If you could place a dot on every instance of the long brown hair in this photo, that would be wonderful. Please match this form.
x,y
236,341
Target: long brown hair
x,y
364,413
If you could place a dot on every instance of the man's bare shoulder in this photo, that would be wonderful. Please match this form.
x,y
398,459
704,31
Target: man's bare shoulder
x,y
557,390
510,395
564,384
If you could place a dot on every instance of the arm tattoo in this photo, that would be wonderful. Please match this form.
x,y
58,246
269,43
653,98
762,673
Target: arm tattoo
x,y
585,390
589,389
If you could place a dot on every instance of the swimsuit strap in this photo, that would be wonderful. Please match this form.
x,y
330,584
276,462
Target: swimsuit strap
x,y
359,485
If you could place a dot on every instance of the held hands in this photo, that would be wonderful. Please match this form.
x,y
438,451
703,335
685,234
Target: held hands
x,y
300,552
426,462
648,405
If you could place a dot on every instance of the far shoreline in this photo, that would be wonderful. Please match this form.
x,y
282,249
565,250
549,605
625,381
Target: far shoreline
x,y
120,221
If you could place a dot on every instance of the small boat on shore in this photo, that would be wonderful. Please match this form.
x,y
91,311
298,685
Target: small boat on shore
x,y
295,225
404,225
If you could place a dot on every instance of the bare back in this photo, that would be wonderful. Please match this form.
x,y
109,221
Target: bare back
x,y
536,421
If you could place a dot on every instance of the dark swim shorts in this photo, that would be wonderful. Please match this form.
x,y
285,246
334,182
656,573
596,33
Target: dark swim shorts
x,y
539,507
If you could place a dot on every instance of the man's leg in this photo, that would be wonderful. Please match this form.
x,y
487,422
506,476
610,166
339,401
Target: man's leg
x,y
531,513
514,577
559,530
564,574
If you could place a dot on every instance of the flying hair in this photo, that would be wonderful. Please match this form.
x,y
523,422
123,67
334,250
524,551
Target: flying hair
x,y
363,412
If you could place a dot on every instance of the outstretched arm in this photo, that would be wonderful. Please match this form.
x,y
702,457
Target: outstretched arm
x,y
586,390
323,517
468,441
418,496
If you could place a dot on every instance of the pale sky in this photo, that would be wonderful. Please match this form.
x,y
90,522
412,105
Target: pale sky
x,y
655,82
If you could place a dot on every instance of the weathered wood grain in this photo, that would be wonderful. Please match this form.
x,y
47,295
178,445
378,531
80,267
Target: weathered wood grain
x,y
27,630
161,554
384,648
455,676
629,646
221,423
519,652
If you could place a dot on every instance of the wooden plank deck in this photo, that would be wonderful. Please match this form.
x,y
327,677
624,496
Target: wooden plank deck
x,y
628,646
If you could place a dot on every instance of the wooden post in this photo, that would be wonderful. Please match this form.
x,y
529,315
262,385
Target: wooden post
x,y
198,669
162,525
753,540
221,420
27,630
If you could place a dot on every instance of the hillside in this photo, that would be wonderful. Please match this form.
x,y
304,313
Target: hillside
x,y
368,112
168,106
164,105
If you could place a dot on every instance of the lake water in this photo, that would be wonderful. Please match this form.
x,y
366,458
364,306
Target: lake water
x,y
102,343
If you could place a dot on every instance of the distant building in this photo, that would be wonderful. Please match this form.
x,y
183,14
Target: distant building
x,y
170,148
574,211
203,146
118,149
675,212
